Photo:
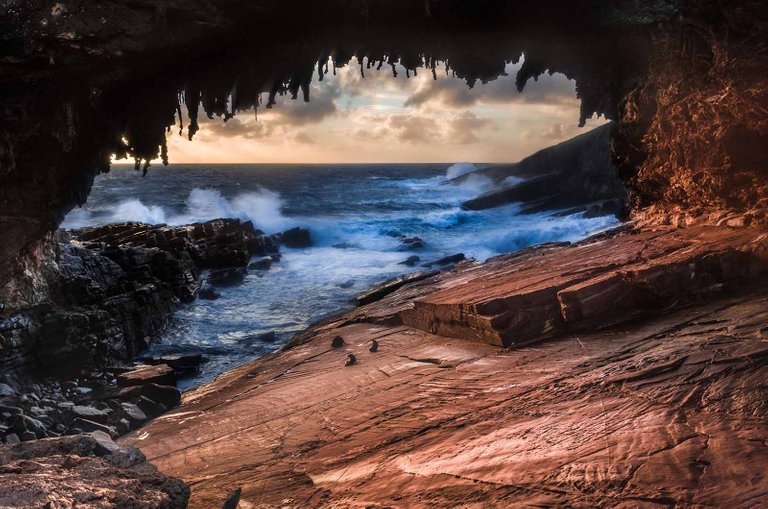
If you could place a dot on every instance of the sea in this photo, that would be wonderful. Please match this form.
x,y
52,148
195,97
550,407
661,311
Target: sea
x,y
353,212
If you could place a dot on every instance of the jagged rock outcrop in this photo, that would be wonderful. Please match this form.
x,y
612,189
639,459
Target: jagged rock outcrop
x,y
105,297
644,387
574,176
87,471
213,244
98,310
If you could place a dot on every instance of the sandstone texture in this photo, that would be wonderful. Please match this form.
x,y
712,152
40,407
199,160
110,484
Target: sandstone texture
x,y
637,380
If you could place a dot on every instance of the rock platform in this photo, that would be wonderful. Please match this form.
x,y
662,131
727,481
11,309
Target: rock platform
x,y
637,381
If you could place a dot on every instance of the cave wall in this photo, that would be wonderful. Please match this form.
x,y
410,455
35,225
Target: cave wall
x,y
692,134
684,79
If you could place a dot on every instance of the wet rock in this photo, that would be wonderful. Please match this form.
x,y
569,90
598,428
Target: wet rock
x,y
227,277
411,243
410,261
268,337
347,284
390,286
160,374
12,438
166,395
447,260
263,263
85,425
208,292
295,238
213,244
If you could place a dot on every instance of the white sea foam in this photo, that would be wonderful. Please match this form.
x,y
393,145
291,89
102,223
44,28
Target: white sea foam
x,y
459,169
512,180
135,210
263,207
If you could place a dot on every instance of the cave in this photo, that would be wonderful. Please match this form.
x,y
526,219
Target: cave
x,y
624,364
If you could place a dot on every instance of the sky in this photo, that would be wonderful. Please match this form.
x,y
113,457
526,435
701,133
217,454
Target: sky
x,y
380,118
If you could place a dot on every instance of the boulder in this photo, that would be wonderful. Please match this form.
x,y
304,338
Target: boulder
x,y
410,261
295,238
135,414
180,363
166,395
91,413
160,374
263,263
447,260
151,408
103,443
411,243
208,292
86,425
227,277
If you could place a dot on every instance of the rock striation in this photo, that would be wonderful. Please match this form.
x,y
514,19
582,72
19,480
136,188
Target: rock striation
x,y
642,387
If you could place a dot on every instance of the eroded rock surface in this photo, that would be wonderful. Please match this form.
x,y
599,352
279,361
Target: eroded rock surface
x,y
665,406
84,471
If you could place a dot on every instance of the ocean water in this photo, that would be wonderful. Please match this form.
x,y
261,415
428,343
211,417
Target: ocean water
x,y
349,209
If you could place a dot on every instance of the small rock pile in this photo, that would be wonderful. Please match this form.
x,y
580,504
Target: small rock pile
x,y
111,401
86,471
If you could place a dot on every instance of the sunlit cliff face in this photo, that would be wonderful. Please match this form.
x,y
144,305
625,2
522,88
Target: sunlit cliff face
x,y
380,117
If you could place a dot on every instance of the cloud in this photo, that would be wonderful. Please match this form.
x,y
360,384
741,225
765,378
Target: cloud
x,y
454,93
465,126
383,118
413,128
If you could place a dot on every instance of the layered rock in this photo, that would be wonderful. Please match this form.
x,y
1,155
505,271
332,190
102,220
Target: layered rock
x,y
213,244
644,386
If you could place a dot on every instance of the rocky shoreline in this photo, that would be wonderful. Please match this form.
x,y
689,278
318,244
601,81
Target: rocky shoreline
x,y
641,330
69,363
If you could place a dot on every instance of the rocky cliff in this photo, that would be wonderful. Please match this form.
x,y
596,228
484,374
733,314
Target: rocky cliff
x,y
573,176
